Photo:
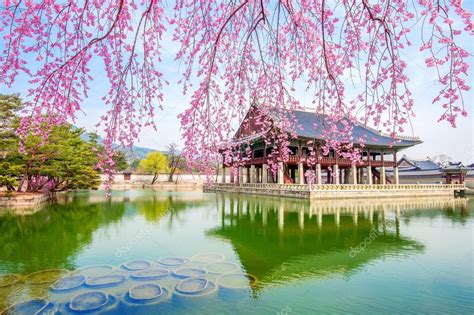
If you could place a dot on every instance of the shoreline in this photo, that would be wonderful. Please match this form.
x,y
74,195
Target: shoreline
x,y
24,199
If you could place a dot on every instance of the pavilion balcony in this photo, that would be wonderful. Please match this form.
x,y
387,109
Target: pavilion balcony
x,y
325,161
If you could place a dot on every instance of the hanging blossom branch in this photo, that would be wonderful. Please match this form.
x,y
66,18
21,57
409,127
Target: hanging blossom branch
x,y
55,42
235,53
259,51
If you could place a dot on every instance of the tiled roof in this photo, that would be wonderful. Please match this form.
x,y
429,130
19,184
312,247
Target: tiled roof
x,y
422,164
311,125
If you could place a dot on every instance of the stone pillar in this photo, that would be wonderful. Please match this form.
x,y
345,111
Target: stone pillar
x,y
223,174
241,174
336,174
318,174
353,175
396,180
231,176
280,178
300,173
383,179
264,173
252,173
369,175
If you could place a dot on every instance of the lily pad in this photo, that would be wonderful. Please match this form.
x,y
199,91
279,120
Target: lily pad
x,y
173,261
8,280
151,274
105,281
95,271
45,276
208,257
145,292
27,307
137,265
236,281
89,301
194,286
68,283
189,272
222,267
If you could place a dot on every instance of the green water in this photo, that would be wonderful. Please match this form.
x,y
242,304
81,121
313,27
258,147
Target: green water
x,y
358,256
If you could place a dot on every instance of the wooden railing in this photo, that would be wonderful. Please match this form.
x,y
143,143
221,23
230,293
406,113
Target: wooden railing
x,y
306,187
295,159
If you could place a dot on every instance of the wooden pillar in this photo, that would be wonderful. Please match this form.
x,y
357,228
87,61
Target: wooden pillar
x,y
353,179
223,174
383,178
252,174
300,173
396,180
369,175
264,173
318,174
280,179
241,175
336,174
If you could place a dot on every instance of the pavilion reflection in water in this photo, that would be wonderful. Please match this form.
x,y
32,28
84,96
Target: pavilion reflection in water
x,y
280,240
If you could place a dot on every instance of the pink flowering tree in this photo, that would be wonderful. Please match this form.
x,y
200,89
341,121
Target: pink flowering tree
x,y
232,54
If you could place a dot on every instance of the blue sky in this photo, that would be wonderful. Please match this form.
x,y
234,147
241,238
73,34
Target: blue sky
x,y
438,138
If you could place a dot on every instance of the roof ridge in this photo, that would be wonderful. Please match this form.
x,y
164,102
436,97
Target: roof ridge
x,y
420,159
398,136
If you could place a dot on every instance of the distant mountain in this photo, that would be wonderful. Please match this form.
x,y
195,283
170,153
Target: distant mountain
x,y
131,154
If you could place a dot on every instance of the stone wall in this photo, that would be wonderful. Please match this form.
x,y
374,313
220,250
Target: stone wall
x,y
141,179
23,200
329,191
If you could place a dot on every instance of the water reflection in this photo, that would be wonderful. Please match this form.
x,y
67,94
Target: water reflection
x,y
282,240
276,240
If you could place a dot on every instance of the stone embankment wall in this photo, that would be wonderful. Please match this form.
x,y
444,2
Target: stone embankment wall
x,y
468,181
180,180
337,191
23,200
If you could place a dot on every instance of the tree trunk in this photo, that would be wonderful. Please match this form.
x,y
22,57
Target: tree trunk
x,y
154,178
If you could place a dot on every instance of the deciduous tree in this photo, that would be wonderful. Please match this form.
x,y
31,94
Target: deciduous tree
x,y
154,163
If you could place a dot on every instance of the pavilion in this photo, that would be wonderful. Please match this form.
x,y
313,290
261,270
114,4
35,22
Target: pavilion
x,y
379,151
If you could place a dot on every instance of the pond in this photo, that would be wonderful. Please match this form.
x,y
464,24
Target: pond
x,y
148,251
